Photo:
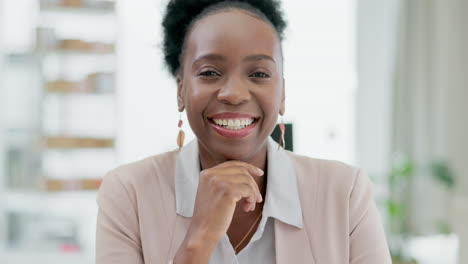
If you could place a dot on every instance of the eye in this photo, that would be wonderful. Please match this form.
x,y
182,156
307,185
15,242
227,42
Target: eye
x,y
209,74
260,75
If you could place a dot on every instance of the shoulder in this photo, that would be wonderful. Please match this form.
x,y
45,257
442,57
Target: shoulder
x,y
333,186
132,177
329,174
144,168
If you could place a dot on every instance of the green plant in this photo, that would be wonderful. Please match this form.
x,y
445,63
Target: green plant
x,y
396,206
399,179
443,174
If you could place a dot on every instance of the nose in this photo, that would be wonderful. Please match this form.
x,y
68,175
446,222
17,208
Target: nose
x,y
234,92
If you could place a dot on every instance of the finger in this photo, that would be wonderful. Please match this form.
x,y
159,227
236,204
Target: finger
x,y
255,197
252,169
250,180
244,191
254,185
247,207
240,175
247,179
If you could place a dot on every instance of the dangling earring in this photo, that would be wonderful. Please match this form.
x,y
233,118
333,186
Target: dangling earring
x,y
181,135
282,143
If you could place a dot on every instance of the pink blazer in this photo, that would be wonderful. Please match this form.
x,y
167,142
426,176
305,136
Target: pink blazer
x,y
137,220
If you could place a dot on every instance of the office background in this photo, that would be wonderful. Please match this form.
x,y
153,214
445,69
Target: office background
x,y
380,84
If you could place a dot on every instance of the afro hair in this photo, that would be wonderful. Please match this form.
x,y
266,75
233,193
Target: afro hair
x,y
181,14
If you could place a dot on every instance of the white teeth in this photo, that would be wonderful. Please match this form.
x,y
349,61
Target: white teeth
x,y
234,124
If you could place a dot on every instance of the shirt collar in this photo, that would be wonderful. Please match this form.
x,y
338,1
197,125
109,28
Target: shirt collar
x,y
282,195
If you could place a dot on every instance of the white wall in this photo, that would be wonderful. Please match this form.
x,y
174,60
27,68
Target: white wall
x,y
377,27
453,79
320,73
2,158
147,112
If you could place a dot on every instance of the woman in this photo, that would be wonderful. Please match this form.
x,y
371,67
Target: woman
x,y
232,195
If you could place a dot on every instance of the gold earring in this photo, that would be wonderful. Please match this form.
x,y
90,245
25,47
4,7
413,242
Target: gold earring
x,y
181,135
282,127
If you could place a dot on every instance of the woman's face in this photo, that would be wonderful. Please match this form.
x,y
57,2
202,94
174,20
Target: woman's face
x,y
231,83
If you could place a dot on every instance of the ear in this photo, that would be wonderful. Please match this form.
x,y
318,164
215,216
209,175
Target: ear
x,y
180,93
283,99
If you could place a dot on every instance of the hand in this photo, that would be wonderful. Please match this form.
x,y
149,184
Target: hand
x,y
220,188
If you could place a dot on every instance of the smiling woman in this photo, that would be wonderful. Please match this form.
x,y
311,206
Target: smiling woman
x,y
231,195
222,77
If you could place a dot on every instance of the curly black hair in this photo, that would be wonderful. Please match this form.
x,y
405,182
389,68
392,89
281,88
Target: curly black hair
x,y
181,14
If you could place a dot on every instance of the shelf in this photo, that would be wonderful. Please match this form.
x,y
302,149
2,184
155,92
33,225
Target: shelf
x,y
63,86
77,6
28,256
79,53
97,83
65,47
30,195
83,46
44,196
35,56
63,142
78,10
38,201
54,185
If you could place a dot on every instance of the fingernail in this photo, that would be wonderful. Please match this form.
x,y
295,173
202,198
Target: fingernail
x,y
260,171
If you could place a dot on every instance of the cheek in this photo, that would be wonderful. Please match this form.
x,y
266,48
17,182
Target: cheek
x,y
271,111
195,97
196,101
269,99
270,105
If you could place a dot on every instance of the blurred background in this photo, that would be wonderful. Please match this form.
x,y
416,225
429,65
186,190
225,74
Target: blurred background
x,y
379,84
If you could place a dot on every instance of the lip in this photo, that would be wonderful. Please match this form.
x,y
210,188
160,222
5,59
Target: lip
x,y
233,133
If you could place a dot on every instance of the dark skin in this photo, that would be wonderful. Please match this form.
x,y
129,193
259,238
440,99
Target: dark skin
x,y
232,63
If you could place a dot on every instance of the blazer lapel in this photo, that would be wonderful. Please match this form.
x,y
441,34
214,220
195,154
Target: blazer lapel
x,y
181,226
292,244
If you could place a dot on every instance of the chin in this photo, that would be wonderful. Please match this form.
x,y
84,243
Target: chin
x,y
243,151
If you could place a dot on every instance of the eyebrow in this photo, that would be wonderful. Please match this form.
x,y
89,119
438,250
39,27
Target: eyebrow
x,y
218,57
259,57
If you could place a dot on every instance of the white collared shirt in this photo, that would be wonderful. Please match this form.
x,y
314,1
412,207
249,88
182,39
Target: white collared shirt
x,y
281,203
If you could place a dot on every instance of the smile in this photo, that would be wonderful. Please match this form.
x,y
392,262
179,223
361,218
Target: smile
x,y
233,125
